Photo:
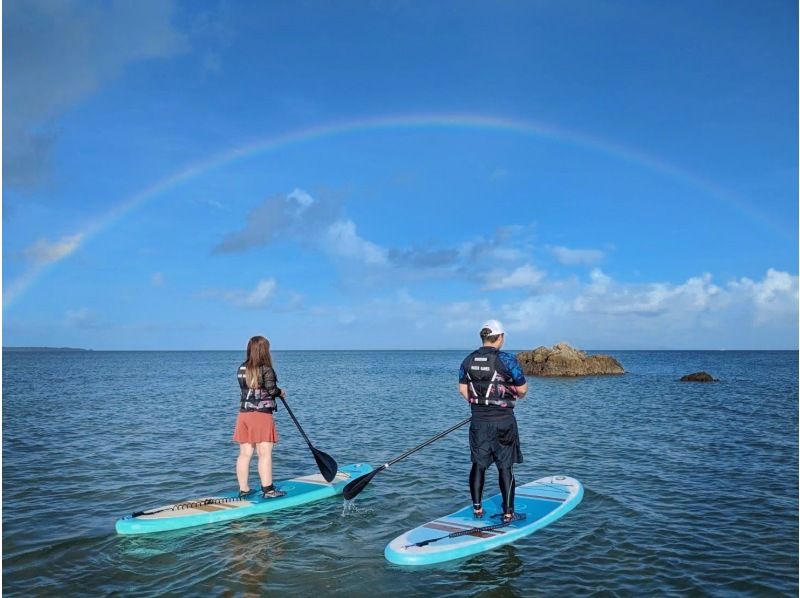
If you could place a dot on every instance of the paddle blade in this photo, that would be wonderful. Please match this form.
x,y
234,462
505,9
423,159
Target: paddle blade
x,y
327,464
353,488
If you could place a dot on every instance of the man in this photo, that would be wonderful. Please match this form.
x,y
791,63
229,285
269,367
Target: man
x,y
492,381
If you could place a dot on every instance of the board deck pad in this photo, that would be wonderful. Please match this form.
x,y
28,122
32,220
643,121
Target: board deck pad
x,y
541,502
227,506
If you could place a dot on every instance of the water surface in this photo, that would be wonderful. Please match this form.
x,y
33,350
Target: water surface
x,y
689,488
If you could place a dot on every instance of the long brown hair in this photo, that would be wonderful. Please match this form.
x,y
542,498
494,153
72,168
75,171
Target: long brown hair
x,y
258,356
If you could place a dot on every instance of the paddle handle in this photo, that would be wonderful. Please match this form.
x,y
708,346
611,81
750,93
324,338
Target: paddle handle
x,y
296,423
426,443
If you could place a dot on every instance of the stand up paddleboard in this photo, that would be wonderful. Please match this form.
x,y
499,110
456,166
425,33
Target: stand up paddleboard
x,y
459,534
228,506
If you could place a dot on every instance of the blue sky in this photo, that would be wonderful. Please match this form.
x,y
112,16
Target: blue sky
x,y
183,175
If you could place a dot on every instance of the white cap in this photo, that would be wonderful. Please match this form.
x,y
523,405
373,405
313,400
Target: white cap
x,y
495,326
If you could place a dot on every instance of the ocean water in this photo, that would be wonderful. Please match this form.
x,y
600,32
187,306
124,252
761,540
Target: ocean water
x,y
690,489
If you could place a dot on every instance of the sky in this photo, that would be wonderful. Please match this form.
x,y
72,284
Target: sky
x,y
388,175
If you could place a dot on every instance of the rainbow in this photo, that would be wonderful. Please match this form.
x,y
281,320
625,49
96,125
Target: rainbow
x,y
378,123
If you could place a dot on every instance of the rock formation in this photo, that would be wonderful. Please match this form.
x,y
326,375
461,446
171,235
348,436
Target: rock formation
x,y
699,377
563,360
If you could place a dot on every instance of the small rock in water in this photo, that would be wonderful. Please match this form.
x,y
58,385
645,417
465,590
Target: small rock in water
x,y
699,377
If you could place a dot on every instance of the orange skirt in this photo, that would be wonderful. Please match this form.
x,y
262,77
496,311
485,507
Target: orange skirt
x,y
253,427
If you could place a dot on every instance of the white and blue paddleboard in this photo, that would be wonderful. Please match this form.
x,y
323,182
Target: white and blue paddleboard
x,y
227,506
536,505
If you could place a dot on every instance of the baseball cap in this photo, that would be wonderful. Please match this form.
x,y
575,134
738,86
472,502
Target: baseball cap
x,y
495,326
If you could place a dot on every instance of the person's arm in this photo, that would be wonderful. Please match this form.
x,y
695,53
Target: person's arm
x,y
270,383
462,383
464,390
520,384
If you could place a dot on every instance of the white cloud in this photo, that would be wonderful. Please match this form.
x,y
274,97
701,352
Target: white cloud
x,y
301,198
694,314
78,316
598,313
522,277
507,254
533,313
274,217
302,218
44,251
258,298
343,240
462,315
602,296
320,225
213,203
576,257
776,296
261,295
599,281
83,318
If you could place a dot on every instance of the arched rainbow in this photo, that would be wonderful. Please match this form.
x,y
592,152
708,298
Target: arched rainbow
x,y
379,123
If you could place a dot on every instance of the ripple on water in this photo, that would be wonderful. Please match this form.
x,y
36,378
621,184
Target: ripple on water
x,y
681,481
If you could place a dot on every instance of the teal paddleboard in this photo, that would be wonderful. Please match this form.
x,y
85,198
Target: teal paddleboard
x,y
536,505
227,506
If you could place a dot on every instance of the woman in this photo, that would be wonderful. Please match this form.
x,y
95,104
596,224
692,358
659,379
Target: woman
x,y
255,426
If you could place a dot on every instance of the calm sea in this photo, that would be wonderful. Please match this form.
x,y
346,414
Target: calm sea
x,y
689,488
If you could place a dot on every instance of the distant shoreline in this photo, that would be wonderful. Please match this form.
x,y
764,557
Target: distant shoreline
x,y
513,351
44,349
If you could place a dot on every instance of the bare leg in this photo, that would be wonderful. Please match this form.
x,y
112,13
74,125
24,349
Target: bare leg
x,y
243,465
265,462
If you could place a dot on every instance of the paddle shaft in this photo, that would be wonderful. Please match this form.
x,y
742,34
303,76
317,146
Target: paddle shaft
x,y
356,486
471,531
296,423
426,443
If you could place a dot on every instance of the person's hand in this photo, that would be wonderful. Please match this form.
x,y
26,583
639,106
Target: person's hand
x,y
283,394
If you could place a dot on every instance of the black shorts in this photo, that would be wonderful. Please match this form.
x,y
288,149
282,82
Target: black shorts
x,y
495,441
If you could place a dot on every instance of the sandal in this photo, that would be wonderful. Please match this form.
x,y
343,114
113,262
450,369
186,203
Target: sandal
x,y
271,492
477,511
246,493
508,517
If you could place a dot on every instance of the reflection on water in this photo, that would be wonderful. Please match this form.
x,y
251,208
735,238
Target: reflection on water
x,y
251,556
506,565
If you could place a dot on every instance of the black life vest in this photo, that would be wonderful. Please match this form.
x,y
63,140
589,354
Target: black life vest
x,y
254,399
487,386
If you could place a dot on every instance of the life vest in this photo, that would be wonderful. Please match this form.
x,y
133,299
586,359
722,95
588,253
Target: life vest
x,y
487,386
254,399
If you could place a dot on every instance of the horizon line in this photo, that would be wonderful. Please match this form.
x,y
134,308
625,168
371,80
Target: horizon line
x,y
81,349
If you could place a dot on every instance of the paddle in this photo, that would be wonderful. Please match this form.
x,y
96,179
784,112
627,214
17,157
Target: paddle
x,y
327,464
473,531
356,486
